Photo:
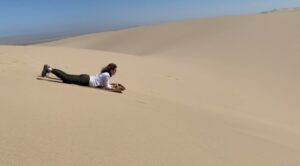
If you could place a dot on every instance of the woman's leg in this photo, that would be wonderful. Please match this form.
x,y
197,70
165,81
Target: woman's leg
x,y
82,79
60,74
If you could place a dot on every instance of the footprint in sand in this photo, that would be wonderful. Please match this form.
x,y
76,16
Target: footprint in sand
x,y
171,77
141,101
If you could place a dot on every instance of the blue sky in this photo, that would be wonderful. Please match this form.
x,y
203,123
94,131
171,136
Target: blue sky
x,y
38,17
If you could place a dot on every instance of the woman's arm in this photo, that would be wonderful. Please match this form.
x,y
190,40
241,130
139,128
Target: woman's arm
x,y
112,86
113,89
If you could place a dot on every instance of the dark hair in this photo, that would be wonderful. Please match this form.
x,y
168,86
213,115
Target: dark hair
x,y
108,68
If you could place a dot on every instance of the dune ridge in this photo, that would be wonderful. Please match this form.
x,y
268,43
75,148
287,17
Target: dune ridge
x,y
262,34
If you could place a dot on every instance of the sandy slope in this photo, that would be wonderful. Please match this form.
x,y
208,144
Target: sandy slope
x,y
221,94
165,117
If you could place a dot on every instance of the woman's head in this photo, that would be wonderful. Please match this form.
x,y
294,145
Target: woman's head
x,y
110,68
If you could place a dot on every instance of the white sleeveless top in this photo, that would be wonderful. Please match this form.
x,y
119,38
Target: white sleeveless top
x,y
100,79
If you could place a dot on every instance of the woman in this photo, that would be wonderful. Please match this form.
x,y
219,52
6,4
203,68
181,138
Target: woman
x,y
100,80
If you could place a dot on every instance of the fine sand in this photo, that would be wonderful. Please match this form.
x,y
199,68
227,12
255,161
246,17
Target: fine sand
x,y
220,91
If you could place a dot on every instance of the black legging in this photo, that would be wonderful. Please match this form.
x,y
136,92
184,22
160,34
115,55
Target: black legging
x,y
82,79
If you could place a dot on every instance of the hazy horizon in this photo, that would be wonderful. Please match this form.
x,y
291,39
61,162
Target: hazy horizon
x,y
39,20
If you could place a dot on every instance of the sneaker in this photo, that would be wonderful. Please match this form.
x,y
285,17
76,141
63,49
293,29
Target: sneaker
x,y
45,70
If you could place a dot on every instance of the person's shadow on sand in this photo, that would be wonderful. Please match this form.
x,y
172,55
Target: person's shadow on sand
x,y
50,79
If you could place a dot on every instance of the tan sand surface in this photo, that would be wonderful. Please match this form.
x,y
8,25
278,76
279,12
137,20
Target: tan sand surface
x,y
214,92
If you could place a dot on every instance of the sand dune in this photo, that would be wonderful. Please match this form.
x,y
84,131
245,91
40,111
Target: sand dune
x,y
256,35
221,91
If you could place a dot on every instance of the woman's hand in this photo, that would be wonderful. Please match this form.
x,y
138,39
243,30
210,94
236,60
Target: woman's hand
x,y
121,87
118,86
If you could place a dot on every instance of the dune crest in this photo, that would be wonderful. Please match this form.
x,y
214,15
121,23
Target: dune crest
x,y
256,35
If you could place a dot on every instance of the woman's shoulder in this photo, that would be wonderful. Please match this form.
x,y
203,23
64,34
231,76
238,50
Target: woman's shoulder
x,y
105,74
